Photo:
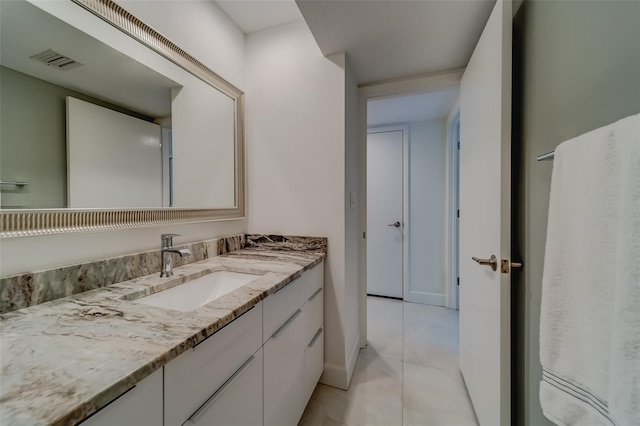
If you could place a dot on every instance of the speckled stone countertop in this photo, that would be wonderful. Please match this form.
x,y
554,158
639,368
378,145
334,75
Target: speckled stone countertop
x,y
63,360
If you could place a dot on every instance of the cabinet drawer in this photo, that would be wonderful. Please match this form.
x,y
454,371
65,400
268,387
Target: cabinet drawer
x,y
125,410
314,279
238,402
313,314
279,306
283,376
313,363
191,378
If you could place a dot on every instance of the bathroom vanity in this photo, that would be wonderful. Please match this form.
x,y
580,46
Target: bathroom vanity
x,y
250,356
236,336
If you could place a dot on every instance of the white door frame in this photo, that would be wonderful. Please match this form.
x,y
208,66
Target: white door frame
x,y
404,128
453,177
424,84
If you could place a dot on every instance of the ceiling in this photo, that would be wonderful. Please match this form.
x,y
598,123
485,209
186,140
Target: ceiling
x,y
256,15
105,73
389,39
384,39
407,109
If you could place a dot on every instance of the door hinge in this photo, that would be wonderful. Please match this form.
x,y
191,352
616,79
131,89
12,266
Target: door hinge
x,y
364,235
458,280
458,144
458,212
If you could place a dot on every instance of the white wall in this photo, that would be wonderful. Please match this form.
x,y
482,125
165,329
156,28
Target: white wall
x,y
225,55
354,163
427,209
295,108
203,134
202,28
451,195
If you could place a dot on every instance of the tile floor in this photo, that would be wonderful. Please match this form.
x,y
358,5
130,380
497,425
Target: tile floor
x,y
407,375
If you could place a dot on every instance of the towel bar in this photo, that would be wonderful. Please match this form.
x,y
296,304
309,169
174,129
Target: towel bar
x,y
11,182
547,156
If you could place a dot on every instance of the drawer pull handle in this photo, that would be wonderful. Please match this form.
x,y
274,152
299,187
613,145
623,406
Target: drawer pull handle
x,y
286,285
284,326
313,341
313,296
212,399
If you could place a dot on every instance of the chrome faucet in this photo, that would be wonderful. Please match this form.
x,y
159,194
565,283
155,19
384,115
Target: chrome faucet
x,y
167,248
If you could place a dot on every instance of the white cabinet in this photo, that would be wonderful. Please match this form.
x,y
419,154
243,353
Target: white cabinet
x,y
192,379
294,351
260,369
313,315
140,406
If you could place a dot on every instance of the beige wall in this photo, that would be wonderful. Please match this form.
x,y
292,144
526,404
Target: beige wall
x,y
577,68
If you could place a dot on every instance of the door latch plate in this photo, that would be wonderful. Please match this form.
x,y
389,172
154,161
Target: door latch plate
x,y
506,265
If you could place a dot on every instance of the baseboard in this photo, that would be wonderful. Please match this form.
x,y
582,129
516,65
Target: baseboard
x,y
427,298
339,376
334,375
353,359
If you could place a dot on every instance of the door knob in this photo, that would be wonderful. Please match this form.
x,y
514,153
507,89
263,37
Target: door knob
x,y
395,224
492,261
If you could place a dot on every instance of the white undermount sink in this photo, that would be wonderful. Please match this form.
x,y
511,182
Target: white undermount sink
x,y
195,293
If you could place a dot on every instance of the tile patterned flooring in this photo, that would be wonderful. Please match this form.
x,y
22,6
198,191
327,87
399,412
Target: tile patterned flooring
x,y
407,375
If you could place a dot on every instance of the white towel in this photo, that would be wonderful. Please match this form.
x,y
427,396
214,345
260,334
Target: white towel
x,y
590,317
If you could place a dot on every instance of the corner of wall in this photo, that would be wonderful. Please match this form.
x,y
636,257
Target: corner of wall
x,y
339,376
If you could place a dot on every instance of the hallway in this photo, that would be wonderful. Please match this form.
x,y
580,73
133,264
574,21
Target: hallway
x,y
407,375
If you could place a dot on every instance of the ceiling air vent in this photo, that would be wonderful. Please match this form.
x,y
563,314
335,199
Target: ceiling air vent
x,y
56,60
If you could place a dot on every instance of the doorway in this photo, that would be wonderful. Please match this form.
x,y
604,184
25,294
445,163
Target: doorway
x,y
407,195
371,97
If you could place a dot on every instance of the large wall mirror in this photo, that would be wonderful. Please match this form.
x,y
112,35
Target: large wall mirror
x,y
104,123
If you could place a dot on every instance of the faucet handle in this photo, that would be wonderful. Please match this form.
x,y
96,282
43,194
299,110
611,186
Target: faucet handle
x,y
163,236
167,239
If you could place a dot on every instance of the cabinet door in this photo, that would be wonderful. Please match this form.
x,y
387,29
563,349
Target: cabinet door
x,y
313,363
238,402
191,378
283,373
141,406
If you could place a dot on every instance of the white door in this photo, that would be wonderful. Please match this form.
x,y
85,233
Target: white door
x,y
485,186
384,212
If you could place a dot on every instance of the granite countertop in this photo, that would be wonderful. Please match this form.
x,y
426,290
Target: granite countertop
x,y
63,360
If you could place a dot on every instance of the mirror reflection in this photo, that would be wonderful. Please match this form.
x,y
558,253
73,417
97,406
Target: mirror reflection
x,y
82,125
